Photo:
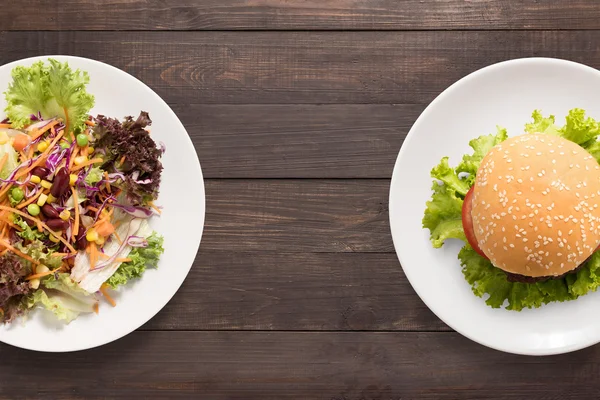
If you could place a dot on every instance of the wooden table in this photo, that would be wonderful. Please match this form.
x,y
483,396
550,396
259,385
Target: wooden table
x,y
297,110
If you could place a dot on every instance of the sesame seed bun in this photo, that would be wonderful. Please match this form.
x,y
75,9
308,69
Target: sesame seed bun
x,y
535,205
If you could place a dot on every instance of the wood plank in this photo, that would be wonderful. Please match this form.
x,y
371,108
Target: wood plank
x,y
302,67
296,292
297,141
315,216
300,15
252,365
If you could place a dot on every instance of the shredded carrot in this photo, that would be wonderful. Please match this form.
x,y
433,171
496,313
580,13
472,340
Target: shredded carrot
x,y
3,234
117,236
40,224
23,156
85,164
19,252
43,274
5,126
30,152
103,255
30,200
73,155
92,208
3,252
122,260
96,308
90,123
93,256
158,210
107,183
3,160
104,291
122,160
45,129
76,224
7,222
42,158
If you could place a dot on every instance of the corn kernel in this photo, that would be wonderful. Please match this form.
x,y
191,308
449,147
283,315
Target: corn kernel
x,y
80,160
90,150
35,179
41,269
54,239
42,199
3,138
45,184
91,235
51,199
42,146
100,241
34,283
72,179
65,215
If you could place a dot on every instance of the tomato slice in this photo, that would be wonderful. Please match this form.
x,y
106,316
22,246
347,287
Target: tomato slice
x,y
467,222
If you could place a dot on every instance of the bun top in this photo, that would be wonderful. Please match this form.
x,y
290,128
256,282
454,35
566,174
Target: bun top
x,y
535,205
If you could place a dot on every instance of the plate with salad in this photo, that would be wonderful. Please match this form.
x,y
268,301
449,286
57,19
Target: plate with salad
x,y
101,203
494,206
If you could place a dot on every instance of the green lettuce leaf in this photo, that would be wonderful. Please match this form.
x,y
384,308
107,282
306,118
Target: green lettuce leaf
x,y
40,298
39,252
443,215
53,89
63,297
542,124
449,177
141,258
94,176
12,160
481,146
27,233
485,279
578,129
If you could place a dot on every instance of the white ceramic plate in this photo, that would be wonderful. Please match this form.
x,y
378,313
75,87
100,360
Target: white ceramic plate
x,y
119,94
503,94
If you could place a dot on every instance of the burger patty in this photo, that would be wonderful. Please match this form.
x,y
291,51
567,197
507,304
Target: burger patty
x,y
533,279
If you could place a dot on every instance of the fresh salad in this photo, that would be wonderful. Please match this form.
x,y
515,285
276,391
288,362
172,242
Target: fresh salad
x,y
445,214
76,194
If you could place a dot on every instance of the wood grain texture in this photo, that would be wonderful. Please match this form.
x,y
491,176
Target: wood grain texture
x,y
297,141
296,292
303,67
333,366
307,216
302,15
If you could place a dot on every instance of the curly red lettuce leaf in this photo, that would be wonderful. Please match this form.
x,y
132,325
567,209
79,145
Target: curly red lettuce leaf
x,y
13,287
128,149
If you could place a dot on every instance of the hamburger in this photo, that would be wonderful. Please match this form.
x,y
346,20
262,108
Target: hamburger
x,y
534,207
527,208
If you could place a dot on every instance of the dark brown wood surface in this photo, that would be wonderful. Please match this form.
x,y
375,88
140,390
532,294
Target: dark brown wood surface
x,y
301,15
297,110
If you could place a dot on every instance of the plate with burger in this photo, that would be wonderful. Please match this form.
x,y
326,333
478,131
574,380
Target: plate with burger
x,y
495,206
